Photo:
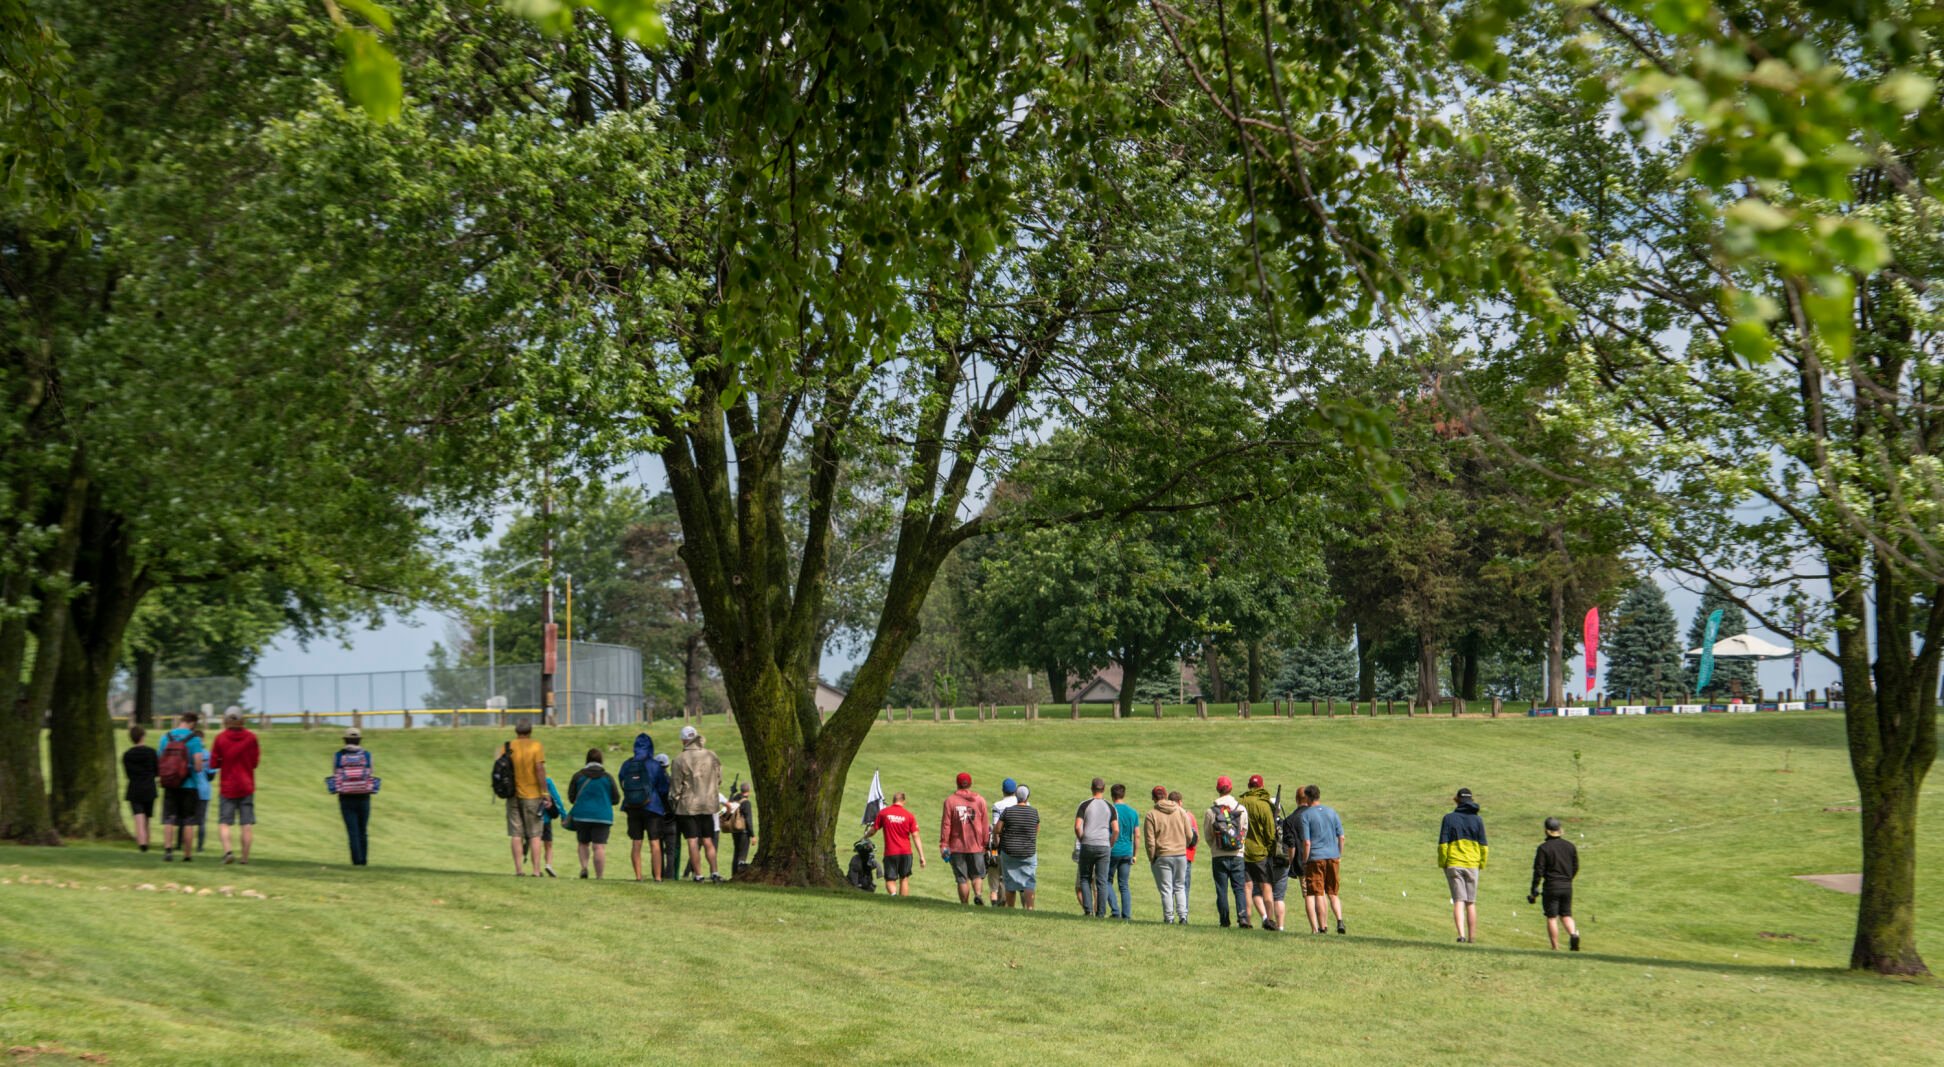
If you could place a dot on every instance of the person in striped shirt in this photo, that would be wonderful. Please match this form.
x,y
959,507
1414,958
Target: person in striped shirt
x,y
1018,833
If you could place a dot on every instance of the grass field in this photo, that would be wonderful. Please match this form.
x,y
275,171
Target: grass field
x,y
1701,945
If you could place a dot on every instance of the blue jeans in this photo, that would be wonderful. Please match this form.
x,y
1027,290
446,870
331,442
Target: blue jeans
x,y
357,820
1094,861
1171,878
1119,867
1229,878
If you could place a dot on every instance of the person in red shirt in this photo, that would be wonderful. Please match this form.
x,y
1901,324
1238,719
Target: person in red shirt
x,y
234,757
900,828
964,827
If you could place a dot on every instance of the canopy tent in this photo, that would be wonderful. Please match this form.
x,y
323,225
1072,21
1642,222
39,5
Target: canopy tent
x,y
1747,646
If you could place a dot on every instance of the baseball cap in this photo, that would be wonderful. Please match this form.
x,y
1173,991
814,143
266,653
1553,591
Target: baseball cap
x,y
964,780
690,733
1160,791
1255,781
661,758
1464,794
352,733
1552,823
1009,785
1023,793
1223,784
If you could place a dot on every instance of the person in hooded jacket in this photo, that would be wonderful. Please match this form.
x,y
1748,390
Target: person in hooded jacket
x,y
592,796
1461,853
550,813
670,834
644,789
696,789
1167,832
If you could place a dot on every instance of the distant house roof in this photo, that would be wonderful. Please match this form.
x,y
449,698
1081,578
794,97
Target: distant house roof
x,y
829,697
1105,686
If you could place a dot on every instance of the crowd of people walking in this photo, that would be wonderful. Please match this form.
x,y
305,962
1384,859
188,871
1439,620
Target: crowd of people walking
x,y
1254,846
1254,849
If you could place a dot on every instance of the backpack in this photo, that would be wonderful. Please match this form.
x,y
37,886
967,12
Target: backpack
x,y
503,786
735,821
353,776
635,783
177,764
1228,828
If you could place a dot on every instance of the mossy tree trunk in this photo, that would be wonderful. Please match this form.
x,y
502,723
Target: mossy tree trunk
x,y
26,815
81,740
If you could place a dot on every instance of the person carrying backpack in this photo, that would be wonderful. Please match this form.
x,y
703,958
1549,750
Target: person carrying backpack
x,y
740,821
553,811
643,784
179,761
524,761
1225,828
592,795
1257,846
353,782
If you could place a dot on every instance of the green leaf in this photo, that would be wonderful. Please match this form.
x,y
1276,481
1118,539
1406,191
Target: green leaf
x,y
1830,304
1750,340
1855,243
1906,90
371,74
1678,16
639,21
370,11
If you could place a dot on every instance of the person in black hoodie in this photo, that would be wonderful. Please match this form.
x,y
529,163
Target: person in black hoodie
x,y
1554,866
139,767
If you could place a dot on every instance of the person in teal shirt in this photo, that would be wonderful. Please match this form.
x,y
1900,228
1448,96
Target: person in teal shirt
x,y
551,810
593,794
1122,858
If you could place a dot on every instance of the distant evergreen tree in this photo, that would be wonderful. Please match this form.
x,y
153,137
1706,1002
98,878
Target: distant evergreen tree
x,y
1643,651
1728,673
1318,670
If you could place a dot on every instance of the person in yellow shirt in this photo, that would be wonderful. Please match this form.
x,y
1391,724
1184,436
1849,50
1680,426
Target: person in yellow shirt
x,y
525,809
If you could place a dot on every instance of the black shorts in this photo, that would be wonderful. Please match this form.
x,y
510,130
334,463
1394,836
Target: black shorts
x,y
968,867
181,806
1558,903
638,825
144,807
1258,873
693,826
896,867
592,833
546,830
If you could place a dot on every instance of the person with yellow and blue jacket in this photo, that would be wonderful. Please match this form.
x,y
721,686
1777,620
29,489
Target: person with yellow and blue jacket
x,y
1461,852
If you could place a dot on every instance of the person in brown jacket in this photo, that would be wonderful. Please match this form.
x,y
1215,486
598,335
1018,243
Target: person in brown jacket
x,y
694,789
1167,833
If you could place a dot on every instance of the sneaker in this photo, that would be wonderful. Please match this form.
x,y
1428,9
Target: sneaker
x,y
1225,924
228,858
1461,940
144,848
1269,925
979,901
168,856
583,872
714,879
185,857
1574,944
1244,924
698,879
551,874
1340,926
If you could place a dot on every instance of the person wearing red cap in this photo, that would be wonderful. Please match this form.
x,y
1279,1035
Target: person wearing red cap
x,y
1225,828
1256,849
964,828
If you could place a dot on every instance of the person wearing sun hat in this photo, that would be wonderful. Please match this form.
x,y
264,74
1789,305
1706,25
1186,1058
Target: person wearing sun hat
x,y
353,782
964,827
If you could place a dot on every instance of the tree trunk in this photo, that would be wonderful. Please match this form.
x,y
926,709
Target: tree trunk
x,y
1556,646
1056,683
692,675
1366,666
1132,664
81,742
24,814
1255,670
1427,675
143,710
1886,911
1467,681
1213,661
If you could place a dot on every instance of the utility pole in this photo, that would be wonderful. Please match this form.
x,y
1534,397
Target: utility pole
x,y
547,631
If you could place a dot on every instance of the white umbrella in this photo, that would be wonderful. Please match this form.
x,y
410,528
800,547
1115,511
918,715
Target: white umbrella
x,y
1747,646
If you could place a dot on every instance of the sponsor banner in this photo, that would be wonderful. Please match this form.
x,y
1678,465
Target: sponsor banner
x,y
1542,712
1660,709
1573,712
1792,705
1714,707
1837,705
1631,709
1816,705
1769,705
1605,711
1687,709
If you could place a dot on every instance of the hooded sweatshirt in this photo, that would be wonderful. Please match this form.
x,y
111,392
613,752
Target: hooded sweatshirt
x,y
965,824
695,780
650,770
1461,837
1261,837
1165,830
1211,839
592,795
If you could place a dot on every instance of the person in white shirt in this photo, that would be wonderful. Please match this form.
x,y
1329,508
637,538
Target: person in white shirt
x,y
995,882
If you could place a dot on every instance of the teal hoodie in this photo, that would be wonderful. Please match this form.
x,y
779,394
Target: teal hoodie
x,y
593,794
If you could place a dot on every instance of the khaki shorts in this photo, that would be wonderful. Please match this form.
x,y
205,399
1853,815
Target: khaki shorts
x,y
523,816
1320,878
1464,884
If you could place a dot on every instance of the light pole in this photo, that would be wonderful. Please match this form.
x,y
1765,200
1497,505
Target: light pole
x,y
492,585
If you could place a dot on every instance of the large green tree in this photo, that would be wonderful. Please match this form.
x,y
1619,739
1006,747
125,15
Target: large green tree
x,y
1643,653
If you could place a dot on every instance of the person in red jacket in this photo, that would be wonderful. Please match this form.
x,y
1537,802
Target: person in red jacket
x,y
963,830
234,756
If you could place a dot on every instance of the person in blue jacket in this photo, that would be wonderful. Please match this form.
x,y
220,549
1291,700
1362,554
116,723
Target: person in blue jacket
x,y
644,797
664,824
551,810
592,796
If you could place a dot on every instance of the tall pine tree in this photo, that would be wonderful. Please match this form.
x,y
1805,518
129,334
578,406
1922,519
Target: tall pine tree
x,y
1728,673
1318,669
1643,649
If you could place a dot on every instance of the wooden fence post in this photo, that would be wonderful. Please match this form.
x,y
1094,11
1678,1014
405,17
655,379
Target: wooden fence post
x,y
1157,714
307,720
1201,709
1242,709
1456,704
1312,707
1076,711
408,718
1498,705
1410,708
1332,707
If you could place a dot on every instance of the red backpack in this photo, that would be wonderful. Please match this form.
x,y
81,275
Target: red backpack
x,y
353,775
176,764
